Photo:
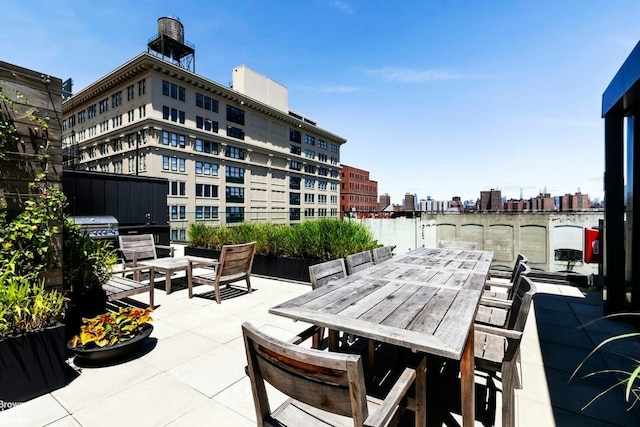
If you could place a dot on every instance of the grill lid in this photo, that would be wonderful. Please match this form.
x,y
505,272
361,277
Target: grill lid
x,y
97,227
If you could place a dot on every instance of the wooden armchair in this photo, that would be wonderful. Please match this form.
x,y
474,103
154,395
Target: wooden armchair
x,y
498,349
324,388
359,261
139,247
234,265
382,254
321,274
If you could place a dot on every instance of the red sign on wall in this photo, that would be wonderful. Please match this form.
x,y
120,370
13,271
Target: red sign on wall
x,y
592,246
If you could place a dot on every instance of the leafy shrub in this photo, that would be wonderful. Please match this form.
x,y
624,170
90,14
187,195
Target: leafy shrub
x,y
25,305
321,239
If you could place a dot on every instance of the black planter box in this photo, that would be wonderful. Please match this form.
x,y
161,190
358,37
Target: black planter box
x,y
267,265
32,364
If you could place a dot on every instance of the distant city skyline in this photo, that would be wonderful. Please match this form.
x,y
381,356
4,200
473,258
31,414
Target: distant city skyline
x,y
435,98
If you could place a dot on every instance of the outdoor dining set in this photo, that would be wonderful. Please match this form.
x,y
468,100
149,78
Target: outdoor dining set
x,y
383,328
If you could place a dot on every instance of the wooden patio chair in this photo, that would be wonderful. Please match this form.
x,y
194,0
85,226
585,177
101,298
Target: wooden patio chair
x,y
509,275
382,254
324,388
450,244
234,265
508,287
359,261
501,312
139,247
498,349
321,274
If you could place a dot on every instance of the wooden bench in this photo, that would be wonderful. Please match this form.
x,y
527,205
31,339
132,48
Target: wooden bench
x,y
121,286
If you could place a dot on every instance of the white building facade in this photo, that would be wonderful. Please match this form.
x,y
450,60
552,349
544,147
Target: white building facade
x,y
230,154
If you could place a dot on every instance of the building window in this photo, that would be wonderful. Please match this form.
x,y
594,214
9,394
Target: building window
x,y
207,103
295,135
130,116
323,171
166,111
92,111
294,214
334,148
235,174
234,152
309,198
206,190
142,87
294,149
322,212
142,111
177,188
310,154
322,198
235,132
294,198
235,115
104,105
322,144
235,194
309,183
294,183
82,116
309,168
206,212
116,121
334,186
294,165
206,146
130,92
205,168
206,124
322,157
116,99
308,139
322,185
235,214
309,213
117,166
178,212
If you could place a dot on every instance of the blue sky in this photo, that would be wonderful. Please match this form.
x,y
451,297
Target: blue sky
x,y
439,98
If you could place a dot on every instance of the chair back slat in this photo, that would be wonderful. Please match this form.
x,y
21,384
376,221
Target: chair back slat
x,y
522,298
236,259
522,270
520,259
359,261
142,244
325,272
333,382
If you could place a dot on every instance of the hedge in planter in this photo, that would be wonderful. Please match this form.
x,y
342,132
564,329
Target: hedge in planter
x,y
284,251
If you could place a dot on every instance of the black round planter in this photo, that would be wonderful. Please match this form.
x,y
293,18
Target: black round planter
x,y
107,354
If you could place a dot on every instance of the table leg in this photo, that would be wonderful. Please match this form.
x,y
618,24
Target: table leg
x,y
333,340
467,382
167,281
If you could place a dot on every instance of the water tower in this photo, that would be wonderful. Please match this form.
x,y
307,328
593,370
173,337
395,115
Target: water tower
x,y
170,45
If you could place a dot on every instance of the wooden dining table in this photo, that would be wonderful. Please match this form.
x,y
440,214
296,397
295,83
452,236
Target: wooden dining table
x,y
425,300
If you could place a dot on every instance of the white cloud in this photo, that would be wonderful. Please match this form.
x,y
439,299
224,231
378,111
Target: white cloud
x,y
343,6
328,89
406,75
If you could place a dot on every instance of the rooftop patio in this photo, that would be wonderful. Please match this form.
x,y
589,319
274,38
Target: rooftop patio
x,y
191,371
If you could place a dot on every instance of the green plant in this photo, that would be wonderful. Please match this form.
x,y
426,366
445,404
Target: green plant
x,y
112,328
321,239
630,380
25,306
88,263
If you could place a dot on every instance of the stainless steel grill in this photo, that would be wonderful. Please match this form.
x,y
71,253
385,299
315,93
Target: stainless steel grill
x,y
98,227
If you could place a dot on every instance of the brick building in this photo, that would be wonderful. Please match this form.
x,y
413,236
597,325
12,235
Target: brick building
x,y
357,192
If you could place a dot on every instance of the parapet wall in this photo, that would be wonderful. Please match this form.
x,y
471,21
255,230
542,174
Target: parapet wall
x,y
536,235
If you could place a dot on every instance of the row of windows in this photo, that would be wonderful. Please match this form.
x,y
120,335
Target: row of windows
x,y
207,103
173,114
294,213
103,106
173,90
